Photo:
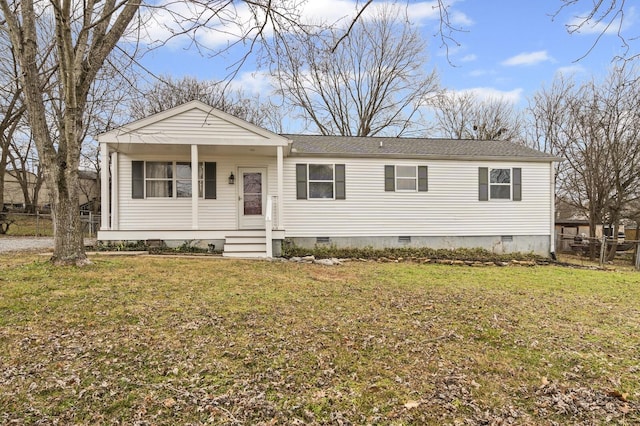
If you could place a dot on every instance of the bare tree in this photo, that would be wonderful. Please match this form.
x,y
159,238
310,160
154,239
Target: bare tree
x,y
12,108
168,92
25,168
594,127
465,116
606,17
85,35
373,82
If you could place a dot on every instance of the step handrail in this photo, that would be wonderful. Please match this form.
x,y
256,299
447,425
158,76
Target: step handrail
x,y
268,226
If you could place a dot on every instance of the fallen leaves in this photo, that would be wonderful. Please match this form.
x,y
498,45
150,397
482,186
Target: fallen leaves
x,y
411,404
260,343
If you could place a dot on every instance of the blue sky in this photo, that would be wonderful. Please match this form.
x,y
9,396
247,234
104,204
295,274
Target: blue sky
x,y
508,48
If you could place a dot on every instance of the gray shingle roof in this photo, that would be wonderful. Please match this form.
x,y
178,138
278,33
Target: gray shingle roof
x,y
351,146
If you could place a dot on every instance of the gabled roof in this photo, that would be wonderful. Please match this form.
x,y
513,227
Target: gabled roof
x,y
193,121
387,147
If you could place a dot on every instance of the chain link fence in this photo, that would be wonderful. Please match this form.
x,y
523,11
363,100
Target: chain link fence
x,y
41,224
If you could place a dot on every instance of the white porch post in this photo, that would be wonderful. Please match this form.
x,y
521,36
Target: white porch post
x,y
280,166
105,206
114,191
195,191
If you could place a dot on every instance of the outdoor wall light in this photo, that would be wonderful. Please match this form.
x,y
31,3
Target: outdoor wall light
x,y
232,179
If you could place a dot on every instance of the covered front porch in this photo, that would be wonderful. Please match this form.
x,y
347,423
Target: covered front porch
x,y
197,175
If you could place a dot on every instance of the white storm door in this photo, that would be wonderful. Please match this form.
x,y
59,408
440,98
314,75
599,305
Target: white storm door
x,y
252,197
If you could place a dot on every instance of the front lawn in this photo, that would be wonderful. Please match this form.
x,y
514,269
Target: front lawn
x,y
162,340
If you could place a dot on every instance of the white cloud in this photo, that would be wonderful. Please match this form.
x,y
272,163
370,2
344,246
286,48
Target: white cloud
x,y
571,70
469,58
489,93
606,26
481,73
422,11
528,58
253,83
233,21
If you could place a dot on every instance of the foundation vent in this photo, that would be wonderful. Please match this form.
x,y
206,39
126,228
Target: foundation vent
x,y
507,238
404,239
323,240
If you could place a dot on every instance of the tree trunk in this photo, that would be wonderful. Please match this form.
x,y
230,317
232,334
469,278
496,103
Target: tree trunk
x,y
65,212
3,169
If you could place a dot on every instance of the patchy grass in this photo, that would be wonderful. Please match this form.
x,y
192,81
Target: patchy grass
x,y
192,341
24,224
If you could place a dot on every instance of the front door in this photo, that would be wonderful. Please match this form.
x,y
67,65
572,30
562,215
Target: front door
x,y
252,182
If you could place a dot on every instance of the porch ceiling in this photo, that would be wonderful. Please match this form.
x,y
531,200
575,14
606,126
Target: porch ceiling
x,y
185,150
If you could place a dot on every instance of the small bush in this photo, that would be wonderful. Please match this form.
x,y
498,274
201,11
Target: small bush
x,y
471,254
121,246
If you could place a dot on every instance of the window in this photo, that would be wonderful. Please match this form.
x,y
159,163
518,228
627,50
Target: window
x,y
167,179
320,181
499,184
406,178
158,179
183,180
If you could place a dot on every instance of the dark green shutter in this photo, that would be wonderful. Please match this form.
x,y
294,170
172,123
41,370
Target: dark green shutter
x,y
301,181
340,184
210,181
389,178
423,180
137,179
483,183
517,184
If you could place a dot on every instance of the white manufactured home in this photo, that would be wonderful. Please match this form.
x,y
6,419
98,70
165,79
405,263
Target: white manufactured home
x,y
193,173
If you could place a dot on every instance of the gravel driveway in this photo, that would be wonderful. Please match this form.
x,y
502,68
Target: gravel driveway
x,y
8,244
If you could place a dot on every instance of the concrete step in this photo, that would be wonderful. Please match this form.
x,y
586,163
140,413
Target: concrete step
x,y
236,247
245,246
245,240
245,255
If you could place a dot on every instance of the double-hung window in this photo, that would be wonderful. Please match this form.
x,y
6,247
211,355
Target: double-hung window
x,y
500,183
405,178
320,181
183,179
158,177
170,179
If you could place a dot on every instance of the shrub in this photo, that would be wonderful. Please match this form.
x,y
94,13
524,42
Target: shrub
x,y
331,251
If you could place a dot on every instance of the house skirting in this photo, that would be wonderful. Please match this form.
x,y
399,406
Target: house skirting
x,y
196,238
500,244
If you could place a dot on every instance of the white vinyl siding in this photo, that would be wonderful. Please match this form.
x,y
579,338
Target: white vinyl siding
x,y
194,124
450,208
175,213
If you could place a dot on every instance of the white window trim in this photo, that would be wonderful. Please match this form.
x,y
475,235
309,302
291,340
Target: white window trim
x,y
396,177
174,180
333,181
510,184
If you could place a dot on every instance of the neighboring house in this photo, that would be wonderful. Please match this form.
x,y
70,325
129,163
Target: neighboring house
x,y
257,188
89,191
13,195
14,198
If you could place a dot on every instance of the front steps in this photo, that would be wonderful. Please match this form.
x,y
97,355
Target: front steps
x,y
245,246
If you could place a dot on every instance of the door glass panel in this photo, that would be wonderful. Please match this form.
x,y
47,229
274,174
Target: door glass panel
x,y
252,189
